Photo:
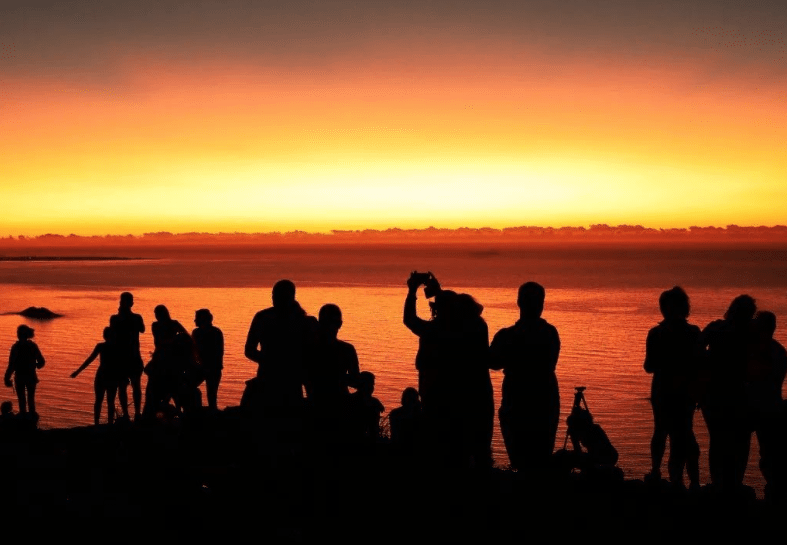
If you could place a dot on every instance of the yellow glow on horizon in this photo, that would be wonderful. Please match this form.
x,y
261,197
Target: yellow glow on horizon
x,y
228,148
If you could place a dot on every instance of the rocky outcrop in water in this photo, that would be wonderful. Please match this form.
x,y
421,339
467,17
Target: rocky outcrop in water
x,y
39,313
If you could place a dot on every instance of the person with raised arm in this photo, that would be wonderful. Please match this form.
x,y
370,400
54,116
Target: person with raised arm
x,y
453,373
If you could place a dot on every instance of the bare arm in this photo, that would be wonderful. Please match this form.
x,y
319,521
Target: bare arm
x,y
411,319
353,368
252,350
497,359
90,359
10,370
220,349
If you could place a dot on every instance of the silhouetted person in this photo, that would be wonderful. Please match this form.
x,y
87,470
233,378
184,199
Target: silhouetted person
x,y
126,327
453,373
766,369
166,368
365,410
407,423
725,345
108,376
209,341
527,352
23,361
277,341
332,365
671,355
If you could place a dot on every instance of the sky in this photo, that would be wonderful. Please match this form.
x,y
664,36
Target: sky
x,y
256,116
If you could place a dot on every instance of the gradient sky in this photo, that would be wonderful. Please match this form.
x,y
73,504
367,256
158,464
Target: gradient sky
x,y
130,117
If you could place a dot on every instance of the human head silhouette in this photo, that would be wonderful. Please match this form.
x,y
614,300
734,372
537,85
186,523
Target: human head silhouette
x,y
366,383
530,300
674,304
410,397
741,309
765,323
126,300
330,317
107,334
203,318
444,304
283,294
162,313
24,332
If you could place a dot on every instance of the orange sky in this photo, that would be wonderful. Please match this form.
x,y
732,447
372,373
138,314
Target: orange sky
x,y
458,120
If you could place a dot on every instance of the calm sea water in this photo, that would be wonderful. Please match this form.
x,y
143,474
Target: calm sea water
x,y
602,304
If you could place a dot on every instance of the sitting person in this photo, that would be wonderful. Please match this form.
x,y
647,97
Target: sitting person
x,y
406,422
365,410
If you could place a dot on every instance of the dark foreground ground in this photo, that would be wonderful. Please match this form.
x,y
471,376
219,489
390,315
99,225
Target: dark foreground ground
x,y
218,478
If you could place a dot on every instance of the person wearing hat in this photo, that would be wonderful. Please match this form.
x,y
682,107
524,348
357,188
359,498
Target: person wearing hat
x,y
23,361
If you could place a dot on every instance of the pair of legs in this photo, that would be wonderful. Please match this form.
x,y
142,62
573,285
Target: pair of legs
x,y
26,395
674,418
212,388
136,392
101,390
529,437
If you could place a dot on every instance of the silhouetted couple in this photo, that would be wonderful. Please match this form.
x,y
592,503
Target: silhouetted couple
x,y
294,350
453,374
173,372
745,368
735,370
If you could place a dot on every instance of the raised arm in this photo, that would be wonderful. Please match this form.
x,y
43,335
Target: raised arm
x,y
411,320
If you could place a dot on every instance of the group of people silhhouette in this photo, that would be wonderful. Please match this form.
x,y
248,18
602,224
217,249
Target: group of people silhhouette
x,y
180,362
295,351
732,370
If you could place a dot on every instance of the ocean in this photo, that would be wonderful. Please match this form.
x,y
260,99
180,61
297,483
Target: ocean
x,y
602,300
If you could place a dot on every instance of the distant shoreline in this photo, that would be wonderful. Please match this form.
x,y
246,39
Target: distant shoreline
x,y
28,258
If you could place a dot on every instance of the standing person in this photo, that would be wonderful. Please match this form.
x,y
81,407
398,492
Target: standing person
x,y
527,352
670,355
725,346
209,341
23,361
277,341
453,373
108,376
167,365
126,327
765,372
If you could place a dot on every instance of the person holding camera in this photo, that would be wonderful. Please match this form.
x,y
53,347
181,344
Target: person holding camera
x,y
453,373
